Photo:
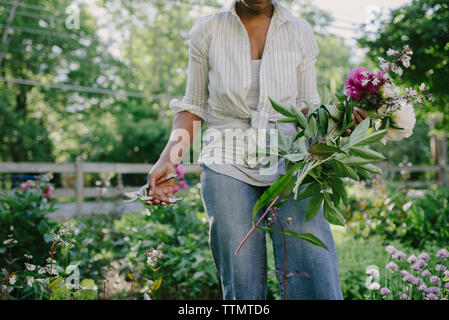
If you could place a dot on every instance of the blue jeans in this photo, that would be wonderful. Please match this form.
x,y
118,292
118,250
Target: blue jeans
x,y
228,203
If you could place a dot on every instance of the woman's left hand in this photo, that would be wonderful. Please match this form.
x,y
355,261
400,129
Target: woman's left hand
x,y
358,115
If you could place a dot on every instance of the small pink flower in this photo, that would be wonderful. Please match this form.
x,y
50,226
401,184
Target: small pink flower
x,y
182,184
47,191
180,171
24,186
175,189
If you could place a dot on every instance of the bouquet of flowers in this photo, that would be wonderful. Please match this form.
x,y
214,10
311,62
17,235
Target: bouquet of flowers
x,y
332,155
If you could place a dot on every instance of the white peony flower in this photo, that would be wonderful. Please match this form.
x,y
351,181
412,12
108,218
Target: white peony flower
x,y
403,118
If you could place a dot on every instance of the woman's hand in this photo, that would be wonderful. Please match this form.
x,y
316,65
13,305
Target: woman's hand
x,y
358,115
164,190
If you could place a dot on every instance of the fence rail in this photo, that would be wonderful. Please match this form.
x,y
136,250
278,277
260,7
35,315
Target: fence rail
x,y
79,168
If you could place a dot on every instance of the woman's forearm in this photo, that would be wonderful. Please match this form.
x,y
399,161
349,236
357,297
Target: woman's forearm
x,y
185,127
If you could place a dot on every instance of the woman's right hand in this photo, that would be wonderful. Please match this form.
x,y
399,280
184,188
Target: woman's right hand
x,y
164,190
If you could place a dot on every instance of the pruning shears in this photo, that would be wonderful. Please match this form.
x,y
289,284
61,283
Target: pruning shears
x,y
142,192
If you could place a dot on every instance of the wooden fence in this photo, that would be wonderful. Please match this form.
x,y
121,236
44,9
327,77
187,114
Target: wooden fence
x,y
79,168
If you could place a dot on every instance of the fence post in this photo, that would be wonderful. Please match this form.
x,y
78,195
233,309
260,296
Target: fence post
x,y
79,185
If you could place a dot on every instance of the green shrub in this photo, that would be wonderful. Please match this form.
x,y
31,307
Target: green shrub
x,y
391,213
24,224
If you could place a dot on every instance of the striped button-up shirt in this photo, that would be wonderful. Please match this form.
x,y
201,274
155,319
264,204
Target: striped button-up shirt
x,y
219,70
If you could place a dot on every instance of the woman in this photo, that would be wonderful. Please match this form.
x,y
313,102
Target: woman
x,y
239,56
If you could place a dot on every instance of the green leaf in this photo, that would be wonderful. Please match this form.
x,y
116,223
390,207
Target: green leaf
x,y
156,284
333,111
343,170
331,213
301,118
359,131
372,138
339,188
276,188
282,108
323,118
312,189
364,173
322,150
371,167
354,161
55,283
313,206
312,129
367,153
295,157
305,236
287,120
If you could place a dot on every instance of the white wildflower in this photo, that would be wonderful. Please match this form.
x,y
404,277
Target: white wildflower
x,y
30,267
392,52
30,281
13,279
422,87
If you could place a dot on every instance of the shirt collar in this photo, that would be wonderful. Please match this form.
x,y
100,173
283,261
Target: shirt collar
x,y
280,12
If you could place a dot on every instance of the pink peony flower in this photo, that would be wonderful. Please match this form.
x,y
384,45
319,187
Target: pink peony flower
x,y
180,171
362,82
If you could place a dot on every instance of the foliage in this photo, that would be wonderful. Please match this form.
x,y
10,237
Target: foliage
x,y
423,25
23,218
392,214
354,255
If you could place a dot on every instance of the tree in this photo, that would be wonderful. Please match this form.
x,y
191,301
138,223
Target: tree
x,y
424,26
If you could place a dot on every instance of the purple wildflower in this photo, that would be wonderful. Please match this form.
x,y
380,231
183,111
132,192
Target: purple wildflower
x,y
433,290
416,267
409,278
421,263
412,259
392,266
391,249
422,287
424,256
440,267
399,255
404,297
384,291
435,280
426,273
443,253
431,296
372,272
403,273
446,273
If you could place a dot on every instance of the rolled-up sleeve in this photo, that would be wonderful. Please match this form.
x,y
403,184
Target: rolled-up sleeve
x,y
196,93
306,70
